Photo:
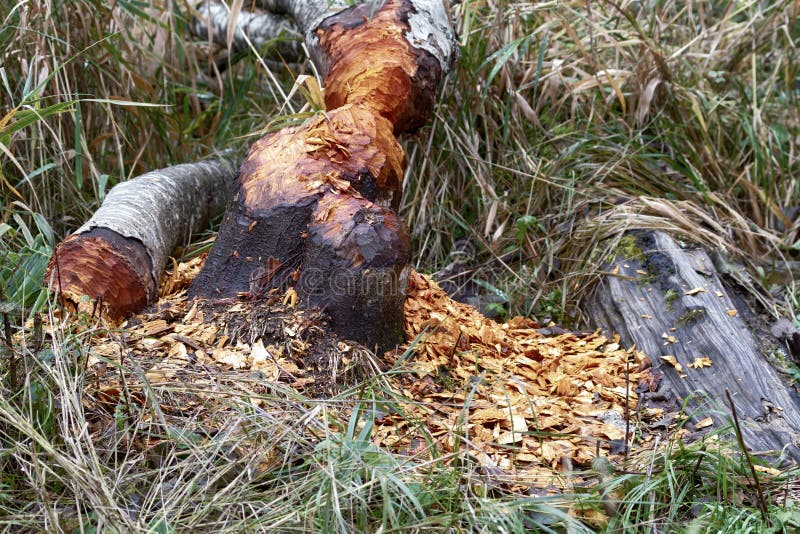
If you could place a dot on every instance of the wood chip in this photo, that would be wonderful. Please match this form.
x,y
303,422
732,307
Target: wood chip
x,y
499,383
704,423
673,361
700,362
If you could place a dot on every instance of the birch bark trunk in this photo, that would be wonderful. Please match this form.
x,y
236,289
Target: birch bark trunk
x,y
118,256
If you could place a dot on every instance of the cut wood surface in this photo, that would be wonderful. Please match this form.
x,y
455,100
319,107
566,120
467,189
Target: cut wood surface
x,y
117,257
313,205
670,301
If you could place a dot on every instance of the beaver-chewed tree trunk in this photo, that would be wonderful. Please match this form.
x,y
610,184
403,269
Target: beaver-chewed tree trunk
x,y
117,257
671,301
314,204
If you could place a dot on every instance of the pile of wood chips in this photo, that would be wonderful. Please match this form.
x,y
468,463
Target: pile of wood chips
x,y
521,405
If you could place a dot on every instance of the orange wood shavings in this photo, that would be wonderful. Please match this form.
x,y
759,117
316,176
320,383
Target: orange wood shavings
x,y
522,404
329,151
508,386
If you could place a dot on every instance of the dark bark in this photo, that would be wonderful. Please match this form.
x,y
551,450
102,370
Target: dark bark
x,y
355,267
670,301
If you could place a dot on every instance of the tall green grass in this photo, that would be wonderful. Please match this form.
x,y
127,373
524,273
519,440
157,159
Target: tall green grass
x,y
592,118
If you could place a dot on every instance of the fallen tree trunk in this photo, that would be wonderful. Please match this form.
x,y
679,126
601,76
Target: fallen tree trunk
x,y
313,205
672,303
118,256
212,22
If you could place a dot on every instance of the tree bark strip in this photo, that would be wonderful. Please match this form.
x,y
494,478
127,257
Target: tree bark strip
x,y
117,257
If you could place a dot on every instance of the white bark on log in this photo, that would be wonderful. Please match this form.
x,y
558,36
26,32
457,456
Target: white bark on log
x,y
213,19
307,14
132,234
163,208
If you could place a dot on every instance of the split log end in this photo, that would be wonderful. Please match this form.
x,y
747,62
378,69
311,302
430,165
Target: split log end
x,y
112,270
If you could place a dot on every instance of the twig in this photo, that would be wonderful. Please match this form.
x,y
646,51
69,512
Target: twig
x,y
697,466
12,358
627,403
762,503
652,494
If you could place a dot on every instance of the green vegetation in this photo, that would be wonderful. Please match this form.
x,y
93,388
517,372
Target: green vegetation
x,y
563,125
629,249
670,297
689,317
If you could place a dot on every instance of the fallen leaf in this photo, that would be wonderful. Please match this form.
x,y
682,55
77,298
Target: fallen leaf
x,y
732,313
694,291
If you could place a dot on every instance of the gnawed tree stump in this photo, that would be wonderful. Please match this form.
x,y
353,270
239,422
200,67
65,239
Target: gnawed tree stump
x,y
117,257
671,302
313,205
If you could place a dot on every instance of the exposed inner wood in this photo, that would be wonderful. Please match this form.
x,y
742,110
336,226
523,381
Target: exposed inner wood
x,y
373,64
141,220
313,203
348,150
112,270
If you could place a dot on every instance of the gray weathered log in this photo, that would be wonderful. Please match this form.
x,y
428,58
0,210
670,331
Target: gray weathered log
x,y
682,307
